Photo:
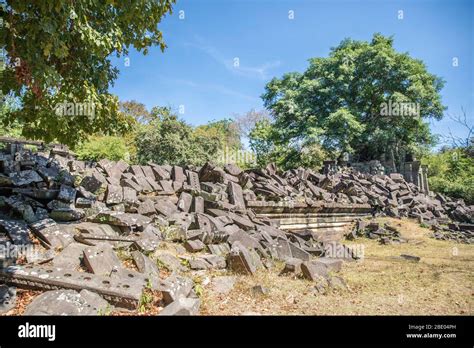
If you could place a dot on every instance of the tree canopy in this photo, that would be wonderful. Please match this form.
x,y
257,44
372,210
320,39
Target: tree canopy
x,y
339,101
58,53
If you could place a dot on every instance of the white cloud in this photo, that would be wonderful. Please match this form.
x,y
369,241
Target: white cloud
x,y
214,87
260,71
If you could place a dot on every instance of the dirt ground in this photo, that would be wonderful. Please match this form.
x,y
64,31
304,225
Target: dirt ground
x,y
380,283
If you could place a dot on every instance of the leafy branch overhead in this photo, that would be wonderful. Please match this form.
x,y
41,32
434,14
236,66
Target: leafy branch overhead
x,y
59,52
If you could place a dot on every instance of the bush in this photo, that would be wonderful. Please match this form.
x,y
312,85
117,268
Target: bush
x,y
456,189
451,172
100,147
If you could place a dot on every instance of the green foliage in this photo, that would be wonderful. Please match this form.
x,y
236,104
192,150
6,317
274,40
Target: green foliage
x,y
7,128
59,52
451,172
339,100
100,147
308,153
169,140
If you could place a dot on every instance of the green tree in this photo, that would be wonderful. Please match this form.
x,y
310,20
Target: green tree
x,y
165,140
59,54
226,131
340,100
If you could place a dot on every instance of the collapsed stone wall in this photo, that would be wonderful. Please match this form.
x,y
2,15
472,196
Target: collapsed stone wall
x,y
82,211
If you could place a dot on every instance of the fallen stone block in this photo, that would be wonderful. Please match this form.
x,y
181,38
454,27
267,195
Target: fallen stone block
x,y
313,270
114,194
240,260
101,259
25,177
67,194
169,261
70,257
198,205
333,265
194,246
235,195
7,298
67,302
53,235
292,265
176,287
18,231
182,306
122,219
67,214
120,292
184,202
215,261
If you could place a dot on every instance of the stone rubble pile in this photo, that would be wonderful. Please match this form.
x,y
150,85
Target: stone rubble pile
x,y
177,218
384,233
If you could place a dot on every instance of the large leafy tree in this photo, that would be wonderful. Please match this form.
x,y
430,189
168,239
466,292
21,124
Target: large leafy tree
x,y
59,52
337,102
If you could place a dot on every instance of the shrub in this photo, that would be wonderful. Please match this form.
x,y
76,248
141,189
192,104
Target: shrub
x,y
100,147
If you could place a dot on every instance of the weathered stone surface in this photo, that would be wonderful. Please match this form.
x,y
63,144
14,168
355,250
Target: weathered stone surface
x,y
176,287
184,202
101,259
67,194
298,253
25,177
122,219
145,265
182,306
67,214
70,257
146,208
84,202
219,249
244,238
215,261
114,194
194,246
292,265
331,264
177,174
129,195
169,261
193,180
198,204
240,260
235,195
7,298
314,270
17,230
165,207
53,235
67,302
92,183
198,264
223,284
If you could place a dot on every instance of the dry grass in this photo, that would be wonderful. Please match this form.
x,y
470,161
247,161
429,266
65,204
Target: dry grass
x,y
379,284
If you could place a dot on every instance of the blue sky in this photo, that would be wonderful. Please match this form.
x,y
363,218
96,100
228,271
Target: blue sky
x,y
197,70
